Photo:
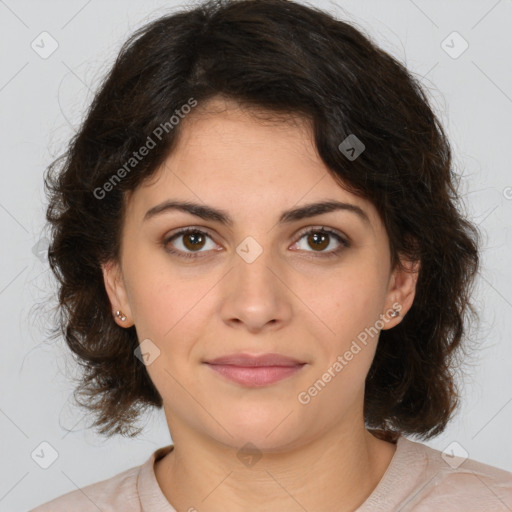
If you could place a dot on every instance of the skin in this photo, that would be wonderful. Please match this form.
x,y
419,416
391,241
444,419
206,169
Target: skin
x,y
290,300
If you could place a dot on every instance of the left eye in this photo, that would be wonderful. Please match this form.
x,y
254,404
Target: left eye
x,y
320,239
194,240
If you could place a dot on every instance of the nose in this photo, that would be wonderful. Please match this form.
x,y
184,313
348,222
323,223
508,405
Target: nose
x,y
255,294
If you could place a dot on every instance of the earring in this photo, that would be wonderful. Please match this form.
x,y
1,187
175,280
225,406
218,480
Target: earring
x,y
121,316
395,313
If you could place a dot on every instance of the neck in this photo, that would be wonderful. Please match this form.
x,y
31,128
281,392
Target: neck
x,y
336,471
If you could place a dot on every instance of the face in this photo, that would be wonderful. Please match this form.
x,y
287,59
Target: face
x,y
305,287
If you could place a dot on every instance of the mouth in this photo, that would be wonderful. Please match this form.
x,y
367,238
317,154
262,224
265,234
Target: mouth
x,y
255,370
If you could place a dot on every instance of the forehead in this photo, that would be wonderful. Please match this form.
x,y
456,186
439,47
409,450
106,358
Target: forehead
x,y
223,129
247,162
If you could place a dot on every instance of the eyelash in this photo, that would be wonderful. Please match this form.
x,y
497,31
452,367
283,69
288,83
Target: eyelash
x,y
329,254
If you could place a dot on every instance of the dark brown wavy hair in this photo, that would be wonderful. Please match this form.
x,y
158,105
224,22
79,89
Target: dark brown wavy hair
x,y
288,59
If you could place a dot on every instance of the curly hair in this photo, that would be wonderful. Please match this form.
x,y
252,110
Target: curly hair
x,y
288,59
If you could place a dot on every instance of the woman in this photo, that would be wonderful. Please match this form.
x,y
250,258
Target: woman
x,y
256,228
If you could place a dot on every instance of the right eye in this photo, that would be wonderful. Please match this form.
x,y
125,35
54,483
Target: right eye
x,y
193,240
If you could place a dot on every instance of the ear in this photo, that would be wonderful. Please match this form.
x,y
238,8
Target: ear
x,y
401,292
116,291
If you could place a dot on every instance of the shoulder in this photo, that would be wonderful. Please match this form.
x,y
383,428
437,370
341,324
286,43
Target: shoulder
x,y
458,483
116,493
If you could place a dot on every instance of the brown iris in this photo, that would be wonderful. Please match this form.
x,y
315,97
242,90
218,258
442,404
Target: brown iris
x,y
198,240
318,239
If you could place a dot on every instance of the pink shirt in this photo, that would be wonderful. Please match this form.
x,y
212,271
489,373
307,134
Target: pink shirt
x,y
417,479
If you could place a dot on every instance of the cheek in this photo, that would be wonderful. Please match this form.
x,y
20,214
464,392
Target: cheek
x,y
348,301
152,288
169,308
164,313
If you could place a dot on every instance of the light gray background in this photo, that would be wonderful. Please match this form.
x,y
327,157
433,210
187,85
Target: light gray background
x,y
42,102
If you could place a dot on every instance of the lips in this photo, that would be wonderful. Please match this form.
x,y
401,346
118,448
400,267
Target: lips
x,y
243,359
255,370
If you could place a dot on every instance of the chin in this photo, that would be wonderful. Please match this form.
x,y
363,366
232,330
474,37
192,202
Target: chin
x,y
271,434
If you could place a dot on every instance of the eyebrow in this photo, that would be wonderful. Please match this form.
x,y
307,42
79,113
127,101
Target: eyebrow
x,y
288,216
